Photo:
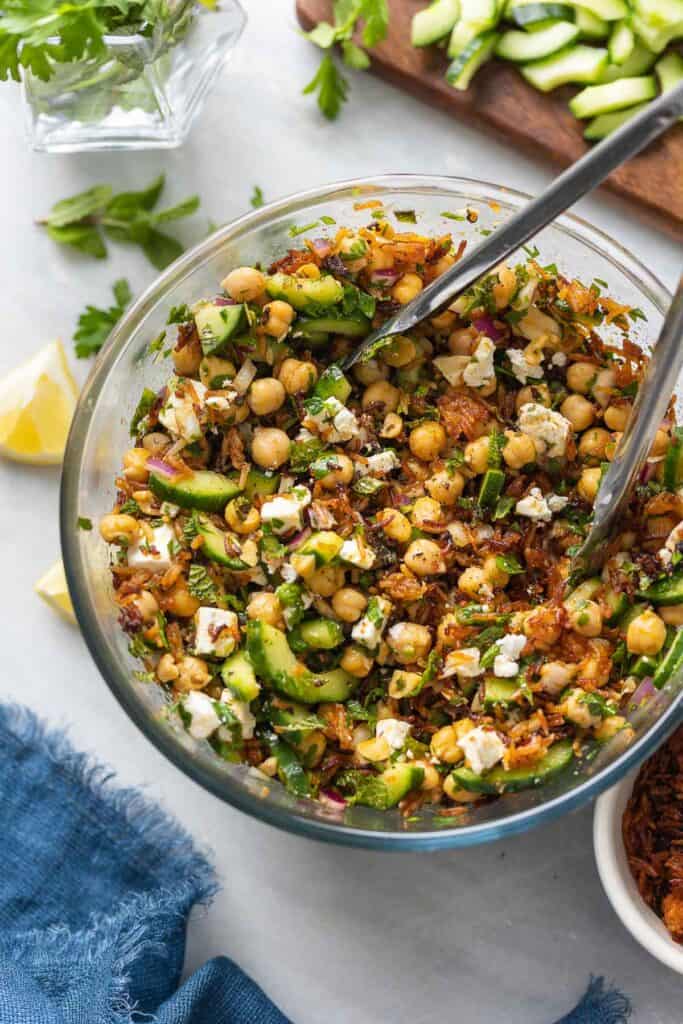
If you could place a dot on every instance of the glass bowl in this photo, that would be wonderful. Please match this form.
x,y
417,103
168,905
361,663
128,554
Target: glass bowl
x,y
99,436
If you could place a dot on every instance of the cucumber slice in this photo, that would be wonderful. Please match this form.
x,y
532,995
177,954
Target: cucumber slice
x,y
317,635
350,327
639,63
601,99
491,486
325,545
618,605
608,10
500,692
333,384
669,71
215,546
558,758
465,66
434,22
589,25
290,770
621,43
524,46
673,461
275,662
643,666
216,325
671,662
386,790
258,482
586,591
667,591
238,677
603,125
203,489
527,13
654,34
476,17
304,292
573,64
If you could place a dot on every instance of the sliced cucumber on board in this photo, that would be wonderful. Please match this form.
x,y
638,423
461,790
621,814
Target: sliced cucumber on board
x,y
602,99
590,26
476,16
521,47
465,66
608,10
583,64
434,22
669,71
640,62
527,13
621,43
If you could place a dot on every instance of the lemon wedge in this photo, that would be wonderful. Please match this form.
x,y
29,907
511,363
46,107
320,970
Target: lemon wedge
x,y
37,401
53,589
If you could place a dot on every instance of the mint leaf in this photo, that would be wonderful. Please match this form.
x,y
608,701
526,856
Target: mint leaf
x,y
85,238
75,208
183,209
127,205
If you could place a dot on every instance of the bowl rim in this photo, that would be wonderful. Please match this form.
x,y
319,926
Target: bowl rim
x,y
157,732
620,888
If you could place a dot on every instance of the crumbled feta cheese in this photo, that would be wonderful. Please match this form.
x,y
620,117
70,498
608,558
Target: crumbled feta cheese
x,y
671,545
556,502
240,709
479,370
559,359
154,554
505,664
356,552
333,421
217,632
534,506
288,572
383,462
536,325
521,367
203,718
369,629
578,712
221,403
169,509
345,425
179,413
464,662
394,731
545,425
483,749
283,513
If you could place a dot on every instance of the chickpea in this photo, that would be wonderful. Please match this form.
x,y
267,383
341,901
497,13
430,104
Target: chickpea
x,y
604,387
155,442
427,440
578,712
381,393
593,444
266,395
407,288
672,614
589,484
427,515
278,316
244,284
147,605
609,727
454,792
266,607
586,618
187,359
135,465
404,684
392,426
506,287
660,443
461,342
297,377
167,670
269,447
617,416
431,780
369,371
496,576
349,604
409,642
327,580
395,525
356,662
193,673
374,749
341,474
119,529
612,445
399,352
424,558
443,321
241,516
180,602
477,455
473,581
448,631
446,487
581,377
214,371
304,565
444,745
443,264
579,411
519,451
269,767
309,270
646,634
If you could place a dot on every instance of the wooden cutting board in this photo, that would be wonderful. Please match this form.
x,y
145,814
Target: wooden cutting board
x,y
500,101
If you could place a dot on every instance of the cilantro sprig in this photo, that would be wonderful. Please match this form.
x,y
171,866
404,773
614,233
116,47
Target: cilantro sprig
x,y
95,325
84,221
329,84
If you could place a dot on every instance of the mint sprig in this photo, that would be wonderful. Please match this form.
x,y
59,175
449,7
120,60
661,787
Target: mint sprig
x,y
95,325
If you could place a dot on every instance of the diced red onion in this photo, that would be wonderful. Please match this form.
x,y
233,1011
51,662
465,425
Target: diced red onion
x,y
321,246
246,374
385,277
647,472
159,466
643,692
220,300
332,798
485,325
298,538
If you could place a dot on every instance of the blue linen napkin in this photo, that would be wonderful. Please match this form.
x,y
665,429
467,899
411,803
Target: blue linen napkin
x,y
96,885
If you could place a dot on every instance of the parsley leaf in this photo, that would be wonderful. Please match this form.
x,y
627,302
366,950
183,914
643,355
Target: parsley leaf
x,y
330,86
95,325
257,197
200,584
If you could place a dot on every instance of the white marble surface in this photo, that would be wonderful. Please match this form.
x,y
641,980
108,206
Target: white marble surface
x,y
508,932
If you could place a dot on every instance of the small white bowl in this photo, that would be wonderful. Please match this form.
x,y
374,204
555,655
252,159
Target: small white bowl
x,y
618,882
